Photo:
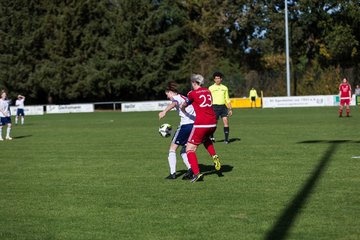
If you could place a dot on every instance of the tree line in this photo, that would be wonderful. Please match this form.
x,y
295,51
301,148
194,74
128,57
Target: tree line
x,y
64,51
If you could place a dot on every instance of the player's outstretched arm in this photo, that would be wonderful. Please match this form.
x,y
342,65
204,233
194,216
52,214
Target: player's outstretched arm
x,y
168,108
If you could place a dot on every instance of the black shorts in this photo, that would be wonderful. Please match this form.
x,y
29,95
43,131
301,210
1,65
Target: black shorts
x,y
20,112
182,134
5,120
220,111
253,99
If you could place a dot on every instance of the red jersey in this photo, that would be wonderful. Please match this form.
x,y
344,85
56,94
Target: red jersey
x,y
202,102
345,91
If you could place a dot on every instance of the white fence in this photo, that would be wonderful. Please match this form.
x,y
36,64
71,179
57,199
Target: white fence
x,y
144,106
51,109
268,102
30,110
303,101
71,108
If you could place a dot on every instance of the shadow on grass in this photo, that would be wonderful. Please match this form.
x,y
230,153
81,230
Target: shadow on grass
x,y
209,169
180,173
23,136
285,221
230,140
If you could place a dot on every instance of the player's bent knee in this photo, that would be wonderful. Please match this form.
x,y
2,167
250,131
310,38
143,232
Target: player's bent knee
x,y
190,147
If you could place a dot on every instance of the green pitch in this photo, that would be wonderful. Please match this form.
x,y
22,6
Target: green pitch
x,y
287,174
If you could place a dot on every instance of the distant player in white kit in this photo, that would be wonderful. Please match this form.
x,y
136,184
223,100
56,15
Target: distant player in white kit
x,y
20,109
181,136
5,118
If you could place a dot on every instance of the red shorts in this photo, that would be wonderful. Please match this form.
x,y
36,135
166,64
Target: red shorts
x,y
200,134
344,101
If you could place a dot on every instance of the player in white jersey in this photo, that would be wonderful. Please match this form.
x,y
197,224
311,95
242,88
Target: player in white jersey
x,y
20,109
5,118
182,133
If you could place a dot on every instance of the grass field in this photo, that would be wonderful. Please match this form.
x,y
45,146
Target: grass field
x,y
287,174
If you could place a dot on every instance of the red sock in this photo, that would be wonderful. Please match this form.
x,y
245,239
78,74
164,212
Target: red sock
x,y
340,112
210,147
347,112
193,161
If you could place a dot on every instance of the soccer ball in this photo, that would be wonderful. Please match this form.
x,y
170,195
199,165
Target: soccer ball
x,y
165,130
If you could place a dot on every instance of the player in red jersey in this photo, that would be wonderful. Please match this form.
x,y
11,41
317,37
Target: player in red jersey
x,y
345,97
204,125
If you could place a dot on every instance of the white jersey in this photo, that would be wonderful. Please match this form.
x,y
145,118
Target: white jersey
x,y
20,103
4,108
186,117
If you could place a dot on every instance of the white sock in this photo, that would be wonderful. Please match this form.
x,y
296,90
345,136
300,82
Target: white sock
x,y
184,157
8,131
0,132
22,120
172,161
16,119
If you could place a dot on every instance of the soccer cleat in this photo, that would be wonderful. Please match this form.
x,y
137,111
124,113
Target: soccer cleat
x,y
188,175
171,176
197,177
8,138
226,142
212,139
217,163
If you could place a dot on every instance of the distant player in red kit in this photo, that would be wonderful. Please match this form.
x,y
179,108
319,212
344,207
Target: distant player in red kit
x,y
345,97
204,125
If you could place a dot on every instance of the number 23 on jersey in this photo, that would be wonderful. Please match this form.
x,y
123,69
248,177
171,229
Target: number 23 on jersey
x,y
206,100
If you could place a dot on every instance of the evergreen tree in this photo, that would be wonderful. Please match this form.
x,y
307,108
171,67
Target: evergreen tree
x,y
87,50
155,47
